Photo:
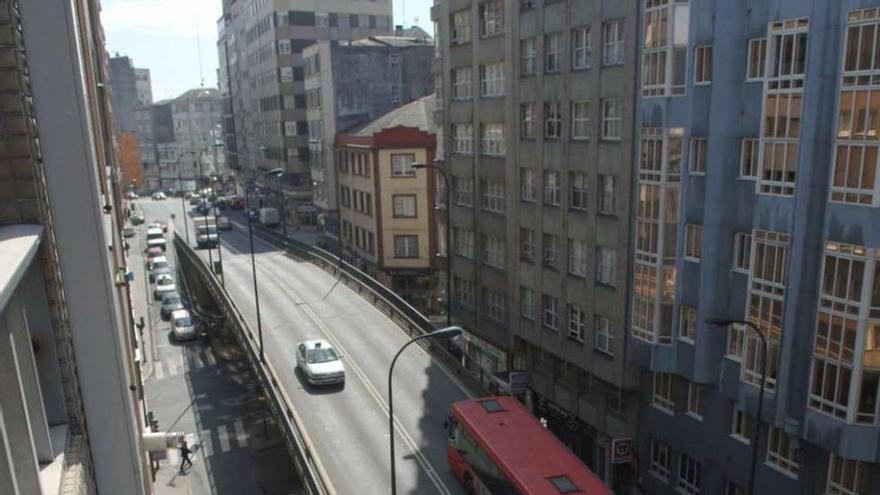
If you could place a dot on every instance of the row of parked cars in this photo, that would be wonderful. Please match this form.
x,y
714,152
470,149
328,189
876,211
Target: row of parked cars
x,y
165,289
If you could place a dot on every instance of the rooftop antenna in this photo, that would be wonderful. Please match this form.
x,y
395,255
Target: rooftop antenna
x,y
199,50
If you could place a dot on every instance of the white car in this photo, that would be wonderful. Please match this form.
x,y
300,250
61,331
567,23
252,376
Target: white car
x,y
319,363
159,196
164,283
183,325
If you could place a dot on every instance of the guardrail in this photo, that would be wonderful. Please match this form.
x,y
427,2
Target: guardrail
x,y
411,320
316,480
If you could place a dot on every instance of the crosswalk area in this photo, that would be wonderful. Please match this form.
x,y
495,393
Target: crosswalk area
x,y
210,442
192,360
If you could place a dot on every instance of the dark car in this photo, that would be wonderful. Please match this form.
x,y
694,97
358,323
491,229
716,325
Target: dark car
x,y
159,271
171,302
236,203
194,200
254,215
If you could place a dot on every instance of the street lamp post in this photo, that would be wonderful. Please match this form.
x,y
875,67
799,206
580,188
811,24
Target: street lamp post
x,y
182,199
723,322
219,250
443,332
443,174
281,204
208,223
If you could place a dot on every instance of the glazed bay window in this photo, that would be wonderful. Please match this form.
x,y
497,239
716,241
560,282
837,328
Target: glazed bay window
x,y
581,48
690,475
493,195
550,311
492,79
462,83
607,194
492,139
577,257
854,179
527,120
527,303
493,251
463,191
406,246
846,353
527,188
551,188
577,323
748,158
491,17
699,155
696,405
781,451
606,261
693,242
742,251
665,47
577,186
552,120
552,50
463,139
528,53
662,397
526,244
580,120
460,27
464,242
550,257
687,323
783,100
847,477
612,116
742,426
612,43
757,59
702,64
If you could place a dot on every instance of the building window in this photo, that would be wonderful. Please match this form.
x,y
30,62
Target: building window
x,y
696,406
693,242
552,120
580,120
492,139
690,475
462,86
404,205
603,339
527,184
492,79
687,325
577,257
527,120
748,159
406,246
699,152
702,64
290,128
493,195
665,48
491,17
463,191
283,47
581,48
464,292
526,244
847,477
733,489
757,58
661,460
496,304
551,52
578,190
527,303
464,242
463,138
781,451
550,306
611,119
577,323
551,251
662,396
401,165
287,76
742,248
612,43
783,100
742,426
528,54
607,197
493,251
606,258
551,188
460,27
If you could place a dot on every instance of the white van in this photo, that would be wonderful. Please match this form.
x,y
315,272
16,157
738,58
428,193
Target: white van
x,y
155,233
159,243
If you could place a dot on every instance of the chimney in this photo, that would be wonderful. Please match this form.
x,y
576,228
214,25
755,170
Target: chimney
x,y
398,30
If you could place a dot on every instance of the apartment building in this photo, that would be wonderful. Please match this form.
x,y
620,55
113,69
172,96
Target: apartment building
x,y
754,201
348,84
260,47
387,223
537,114
71,396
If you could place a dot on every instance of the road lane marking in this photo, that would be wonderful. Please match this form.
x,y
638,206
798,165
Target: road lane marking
x,y
240,433
223,435
157,370
209,356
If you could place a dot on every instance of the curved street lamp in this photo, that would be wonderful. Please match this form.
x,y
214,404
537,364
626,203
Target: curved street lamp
x,y
441,333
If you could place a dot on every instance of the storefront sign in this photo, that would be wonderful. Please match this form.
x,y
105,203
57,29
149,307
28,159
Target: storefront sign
x,y
621,450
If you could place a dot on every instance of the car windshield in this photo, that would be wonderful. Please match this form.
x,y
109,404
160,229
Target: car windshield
x,y
173,299
322,355
165,281
185,321
160,264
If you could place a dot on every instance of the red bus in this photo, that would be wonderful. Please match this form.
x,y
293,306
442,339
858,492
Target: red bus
x,y
496,447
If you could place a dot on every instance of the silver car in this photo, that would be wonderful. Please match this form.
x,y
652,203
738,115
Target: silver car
x,y
164,283
319,363
183,325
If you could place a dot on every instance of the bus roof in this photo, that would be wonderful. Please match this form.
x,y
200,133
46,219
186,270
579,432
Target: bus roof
x,y
531,457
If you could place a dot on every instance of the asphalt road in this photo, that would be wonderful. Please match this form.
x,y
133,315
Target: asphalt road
x,y
349,425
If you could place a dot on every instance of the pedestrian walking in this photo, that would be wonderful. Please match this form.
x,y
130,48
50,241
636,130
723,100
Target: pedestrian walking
x,y
184,454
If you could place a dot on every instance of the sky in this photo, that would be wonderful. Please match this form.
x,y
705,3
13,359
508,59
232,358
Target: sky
x,y
165,35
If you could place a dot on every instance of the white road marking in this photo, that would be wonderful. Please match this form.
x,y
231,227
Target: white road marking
x,y
240,433
157,370
172,369
209,355
223,435
207,443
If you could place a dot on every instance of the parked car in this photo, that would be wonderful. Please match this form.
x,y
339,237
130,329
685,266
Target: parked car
x,y
159,225
319,363
195,200
223,223
159,196
136,218
159,243
154,232
154,252
157,262
159,271
171,301
253,215
164,284
128,231
236,203
183,325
